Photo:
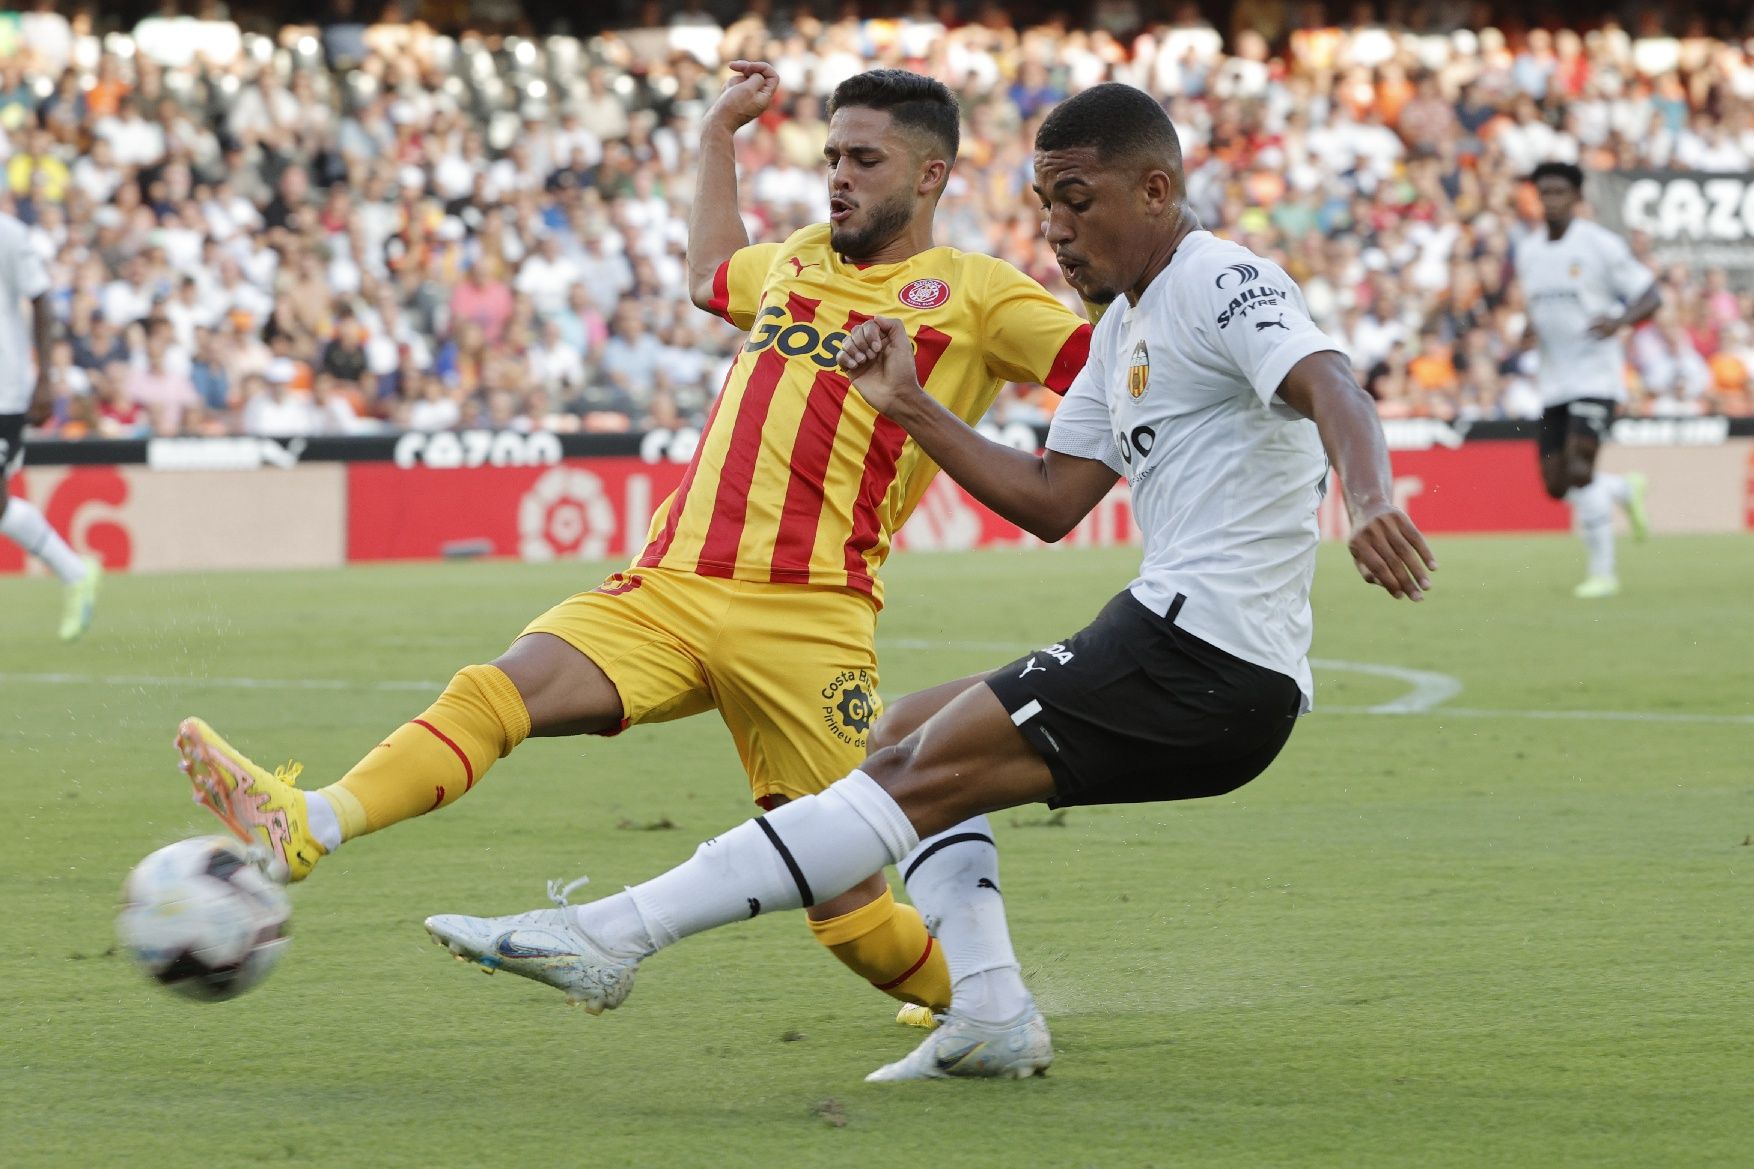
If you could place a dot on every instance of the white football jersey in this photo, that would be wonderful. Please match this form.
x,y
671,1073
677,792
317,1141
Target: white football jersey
x,y
22,277
1588,272
1178,396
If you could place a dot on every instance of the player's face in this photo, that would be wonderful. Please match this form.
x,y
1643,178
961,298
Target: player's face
x,y
1090,217
874,180
1558,199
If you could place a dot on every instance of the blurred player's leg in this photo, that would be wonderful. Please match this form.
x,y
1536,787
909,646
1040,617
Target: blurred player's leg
x,y
25,525
1632,501
1592,508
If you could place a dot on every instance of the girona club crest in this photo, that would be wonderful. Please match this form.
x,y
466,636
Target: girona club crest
x,y
926,292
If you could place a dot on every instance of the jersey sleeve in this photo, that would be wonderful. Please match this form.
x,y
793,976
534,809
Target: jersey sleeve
x,y
1029,336
1082,425
1260,323
1628,277
738,282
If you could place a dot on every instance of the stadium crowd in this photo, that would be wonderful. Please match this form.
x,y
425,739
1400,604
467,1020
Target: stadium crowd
x,y
365,224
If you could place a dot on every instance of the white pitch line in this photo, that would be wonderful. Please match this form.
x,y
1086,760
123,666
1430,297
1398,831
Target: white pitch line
x,y
212,683
1629,716
1429,689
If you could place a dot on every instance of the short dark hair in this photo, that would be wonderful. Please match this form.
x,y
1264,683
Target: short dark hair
x,y
912,102
1117,121
1570,172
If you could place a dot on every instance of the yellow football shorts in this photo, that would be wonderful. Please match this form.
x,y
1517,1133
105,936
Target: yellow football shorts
x,y
792,669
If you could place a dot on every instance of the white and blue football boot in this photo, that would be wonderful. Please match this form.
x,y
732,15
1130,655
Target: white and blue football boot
x,y
963,1047
543,945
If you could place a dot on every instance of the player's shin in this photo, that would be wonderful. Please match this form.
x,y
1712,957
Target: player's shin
x,y
954,879
432,760
886,943
812,848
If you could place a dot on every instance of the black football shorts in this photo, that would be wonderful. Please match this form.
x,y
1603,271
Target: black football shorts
x,y
1132,708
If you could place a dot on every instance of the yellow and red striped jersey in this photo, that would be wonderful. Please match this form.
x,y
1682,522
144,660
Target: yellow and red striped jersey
x,y
797,479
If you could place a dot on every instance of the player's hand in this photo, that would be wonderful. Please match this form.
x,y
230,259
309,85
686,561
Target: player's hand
x,y
42,402
1390,553
1604,327
747,95
879,358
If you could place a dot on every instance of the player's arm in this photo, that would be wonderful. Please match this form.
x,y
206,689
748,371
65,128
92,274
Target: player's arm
x,y
1045,495
42,398
715,226
1386,547
1635,313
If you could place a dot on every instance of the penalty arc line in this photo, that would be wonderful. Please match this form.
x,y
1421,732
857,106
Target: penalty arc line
x,y
1426,695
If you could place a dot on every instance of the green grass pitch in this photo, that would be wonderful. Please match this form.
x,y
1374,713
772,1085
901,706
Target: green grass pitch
x,y
1513,930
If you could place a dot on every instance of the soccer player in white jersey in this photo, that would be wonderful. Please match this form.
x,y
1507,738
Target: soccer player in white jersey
x,y
1583,285
1217,397
23,277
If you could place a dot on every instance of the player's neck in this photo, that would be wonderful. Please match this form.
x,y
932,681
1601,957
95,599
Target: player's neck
x,y
1162,253
1556,231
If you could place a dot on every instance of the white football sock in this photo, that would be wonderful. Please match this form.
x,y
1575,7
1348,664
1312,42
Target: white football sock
x,y
1615,485
953,880
803,852
27,527
1593,511
325,824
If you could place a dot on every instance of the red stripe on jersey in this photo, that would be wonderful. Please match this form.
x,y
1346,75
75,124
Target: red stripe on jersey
x,y
811,450
718,553
660,545
887,439
1071,358
721,301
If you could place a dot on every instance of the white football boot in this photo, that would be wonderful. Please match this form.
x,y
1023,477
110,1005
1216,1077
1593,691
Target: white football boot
x,y
963,1047
543,945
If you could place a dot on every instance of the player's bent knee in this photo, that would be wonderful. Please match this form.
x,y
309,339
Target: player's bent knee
x,y
565,692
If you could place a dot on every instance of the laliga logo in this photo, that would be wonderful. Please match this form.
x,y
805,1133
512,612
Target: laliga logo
x,y
565,516
925,292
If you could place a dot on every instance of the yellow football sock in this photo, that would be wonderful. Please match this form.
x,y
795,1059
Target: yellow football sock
x,y
432,760
886,943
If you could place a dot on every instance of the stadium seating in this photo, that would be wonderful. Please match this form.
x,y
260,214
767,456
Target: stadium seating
x,y
350,228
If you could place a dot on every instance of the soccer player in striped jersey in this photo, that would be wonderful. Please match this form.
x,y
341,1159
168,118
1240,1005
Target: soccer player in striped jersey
x,y
757,594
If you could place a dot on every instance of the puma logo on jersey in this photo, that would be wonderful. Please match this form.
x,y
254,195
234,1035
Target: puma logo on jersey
x,y
1030,667
1277,322
798,265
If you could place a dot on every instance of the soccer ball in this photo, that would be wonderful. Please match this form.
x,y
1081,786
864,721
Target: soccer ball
x,y
202,919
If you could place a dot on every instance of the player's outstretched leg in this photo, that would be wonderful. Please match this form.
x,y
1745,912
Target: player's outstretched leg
x,y
545,945
966,1047
258,806
1633,502
424,764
